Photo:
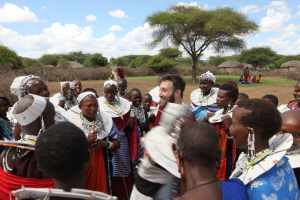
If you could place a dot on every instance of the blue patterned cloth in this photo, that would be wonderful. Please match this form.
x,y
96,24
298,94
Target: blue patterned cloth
x,y
5,130
200,112
279,183
233,189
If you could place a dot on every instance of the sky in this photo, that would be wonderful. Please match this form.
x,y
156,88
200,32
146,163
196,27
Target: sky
x,y
119,27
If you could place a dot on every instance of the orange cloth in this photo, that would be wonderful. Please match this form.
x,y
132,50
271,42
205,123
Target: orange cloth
x,y
222,168
10,182
96,174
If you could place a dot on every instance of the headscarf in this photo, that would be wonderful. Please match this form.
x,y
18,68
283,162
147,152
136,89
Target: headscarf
x,y
18,86
110,83
208,76
81,96
34,111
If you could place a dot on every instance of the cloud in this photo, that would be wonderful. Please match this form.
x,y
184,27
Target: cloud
x,y
250,9
192,3
278,13
64,38
12,13
115,28
90,18
118,13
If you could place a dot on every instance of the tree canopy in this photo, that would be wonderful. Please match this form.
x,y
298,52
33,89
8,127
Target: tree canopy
x,y
196,29
259,56
9,59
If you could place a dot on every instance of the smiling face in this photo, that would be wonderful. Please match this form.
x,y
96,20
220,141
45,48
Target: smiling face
x,y
166,91
136,98
89,107
205,86
222,99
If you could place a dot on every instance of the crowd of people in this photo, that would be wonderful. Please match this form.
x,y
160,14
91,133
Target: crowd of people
x,y
137,145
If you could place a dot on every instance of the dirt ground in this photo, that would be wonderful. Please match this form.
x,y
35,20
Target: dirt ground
x,y
284,92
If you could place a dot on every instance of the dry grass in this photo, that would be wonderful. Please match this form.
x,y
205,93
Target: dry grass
x,y
279,87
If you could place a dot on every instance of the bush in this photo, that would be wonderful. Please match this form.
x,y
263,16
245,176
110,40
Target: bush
x,y
140,61
161,64
9,59
95,60
50,59
172,53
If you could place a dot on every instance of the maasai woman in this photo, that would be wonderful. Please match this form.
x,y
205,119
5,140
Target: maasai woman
x,y
76,87
118,109
102,138
65,91
264,169
119,76
22,86
227,96
19,168
204,98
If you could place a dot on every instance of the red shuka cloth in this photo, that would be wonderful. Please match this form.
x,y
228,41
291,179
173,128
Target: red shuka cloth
x,y
222,134
96,176
10,182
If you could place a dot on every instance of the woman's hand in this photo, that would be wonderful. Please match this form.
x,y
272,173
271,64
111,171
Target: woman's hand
x,y
92,137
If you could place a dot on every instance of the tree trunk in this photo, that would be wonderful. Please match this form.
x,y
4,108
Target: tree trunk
x,y
194,69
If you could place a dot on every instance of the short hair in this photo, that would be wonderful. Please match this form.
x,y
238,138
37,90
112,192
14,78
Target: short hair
x,y
177,80
243,95
198,143
263,116
272,98
62,151
148,95
231,89
134,90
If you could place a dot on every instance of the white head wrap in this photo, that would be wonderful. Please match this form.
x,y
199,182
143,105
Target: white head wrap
x,y
208,76
63,83
110,82
81,96
34,111
18,88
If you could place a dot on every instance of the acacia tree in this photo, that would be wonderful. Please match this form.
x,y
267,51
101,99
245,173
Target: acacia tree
x,y
196,29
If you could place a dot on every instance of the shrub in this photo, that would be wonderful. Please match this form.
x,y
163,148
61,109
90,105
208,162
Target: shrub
x,y
9,59
95,60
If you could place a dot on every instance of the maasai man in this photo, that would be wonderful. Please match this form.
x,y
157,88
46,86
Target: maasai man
x,y
227,96
118,75
118,109
102,137
291,124
205,97
19,168
294,104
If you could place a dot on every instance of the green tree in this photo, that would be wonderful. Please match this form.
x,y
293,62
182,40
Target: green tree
x,y
9,59
172,53
161,64
259,56
95,60
196,29
139,61
29,62
216,60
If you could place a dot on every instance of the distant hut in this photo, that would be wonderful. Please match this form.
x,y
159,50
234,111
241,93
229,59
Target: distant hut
x,y
293,66
233,66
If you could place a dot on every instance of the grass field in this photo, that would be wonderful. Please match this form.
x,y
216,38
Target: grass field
x,y
281,87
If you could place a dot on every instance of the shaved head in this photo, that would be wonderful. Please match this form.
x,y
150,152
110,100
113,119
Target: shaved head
x,y
291,121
